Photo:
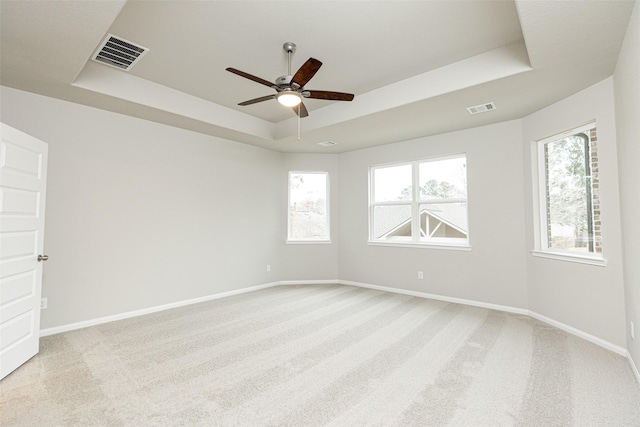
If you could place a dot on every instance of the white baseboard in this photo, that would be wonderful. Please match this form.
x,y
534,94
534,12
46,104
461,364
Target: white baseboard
x,y
570,329
121,316
634,367
579,333
149,310
506,308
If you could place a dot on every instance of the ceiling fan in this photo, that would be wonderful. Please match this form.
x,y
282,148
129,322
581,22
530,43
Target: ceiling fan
x,y
290,88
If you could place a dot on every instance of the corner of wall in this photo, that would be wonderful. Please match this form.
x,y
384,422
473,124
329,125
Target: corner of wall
x,y
627,109
588,298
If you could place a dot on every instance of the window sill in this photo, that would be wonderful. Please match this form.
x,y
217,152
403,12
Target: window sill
x,y
421,245
308,242
582,259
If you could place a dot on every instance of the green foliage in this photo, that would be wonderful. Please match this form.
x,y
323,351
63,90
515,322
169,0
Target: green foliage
x,y
567,183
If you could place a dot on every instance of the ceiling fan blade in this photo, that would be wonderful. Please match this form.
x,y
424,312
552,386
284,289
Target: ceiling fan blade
x,y
256,100
328,95
306,72
250,77
303,110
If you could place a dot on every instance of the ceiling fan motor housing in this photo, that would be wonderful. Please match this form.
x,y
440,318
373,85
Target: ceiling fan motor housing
x,y
284,81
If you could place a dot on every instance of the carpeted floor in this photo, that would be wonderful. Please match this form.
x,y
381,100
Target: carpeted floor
x,y
321,355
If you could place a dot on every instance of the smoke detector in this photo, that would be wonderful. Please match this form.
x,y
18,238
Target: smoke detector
x,y
327,143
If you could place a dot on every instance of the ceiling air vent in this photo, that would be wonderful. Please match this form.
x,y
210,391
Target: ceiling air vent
x,y
119,53
327,143
482,108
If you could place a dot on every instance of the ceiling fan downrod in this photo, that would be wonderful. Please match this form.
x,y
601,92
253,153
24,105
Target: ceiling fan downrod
x,y
290,48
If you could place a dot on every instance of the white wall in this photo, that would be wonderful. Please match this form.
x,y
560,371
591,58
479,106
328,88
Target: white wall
x,y
587,297
317,261
141,214
494,270
627,104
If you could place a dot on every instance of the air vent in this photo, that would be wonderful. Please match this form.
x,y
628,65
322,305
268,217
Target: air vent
x,y
327,143
482,108
119,53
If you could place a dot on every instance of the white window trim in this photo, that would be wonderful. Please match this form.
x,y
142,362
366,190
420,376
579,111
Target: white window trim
x,y
414,241
324,241
421,245
541,242
570,256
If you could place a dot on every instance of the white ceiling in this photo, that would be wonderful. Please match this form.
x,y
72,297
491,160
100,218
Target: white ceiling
x,y
414,66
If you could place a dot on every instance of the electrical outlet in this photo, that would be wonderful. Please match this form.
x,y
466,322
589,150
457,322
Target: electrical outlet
x,y
44,302
268,268
633,332
420,275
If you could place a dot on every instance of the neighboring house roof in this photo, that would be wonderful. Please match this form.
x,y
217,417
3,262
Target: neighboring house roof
x,y
451,214
392,219
389,218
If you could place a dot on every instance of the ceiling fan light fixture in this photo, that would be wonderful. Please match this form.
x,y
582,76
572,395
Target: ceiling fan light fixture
x,y
289,99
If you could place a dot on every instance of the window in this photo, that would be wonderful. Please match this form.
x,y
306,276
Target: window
x,y
419,203
568,195
308,207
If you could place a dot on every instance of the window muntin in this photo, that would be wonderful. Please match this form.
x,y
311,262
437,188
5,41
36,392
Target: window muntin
x,y
421,202
308,210
568,191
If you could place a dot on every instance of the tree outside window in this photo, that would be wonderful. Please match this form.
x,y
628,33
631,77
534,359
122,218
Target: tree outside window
x,y
571,220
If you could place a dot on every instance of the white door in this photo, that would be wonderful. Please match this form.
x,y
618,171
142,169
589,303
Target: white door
x,y
23,179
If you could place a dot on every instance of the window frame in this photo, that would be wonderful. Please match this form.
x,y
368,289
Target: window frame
x,y
325,240
541,224
416,240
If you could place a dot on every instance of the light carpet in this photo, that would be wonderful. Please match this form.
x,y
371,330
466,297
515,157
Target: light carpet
x,y
321,355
